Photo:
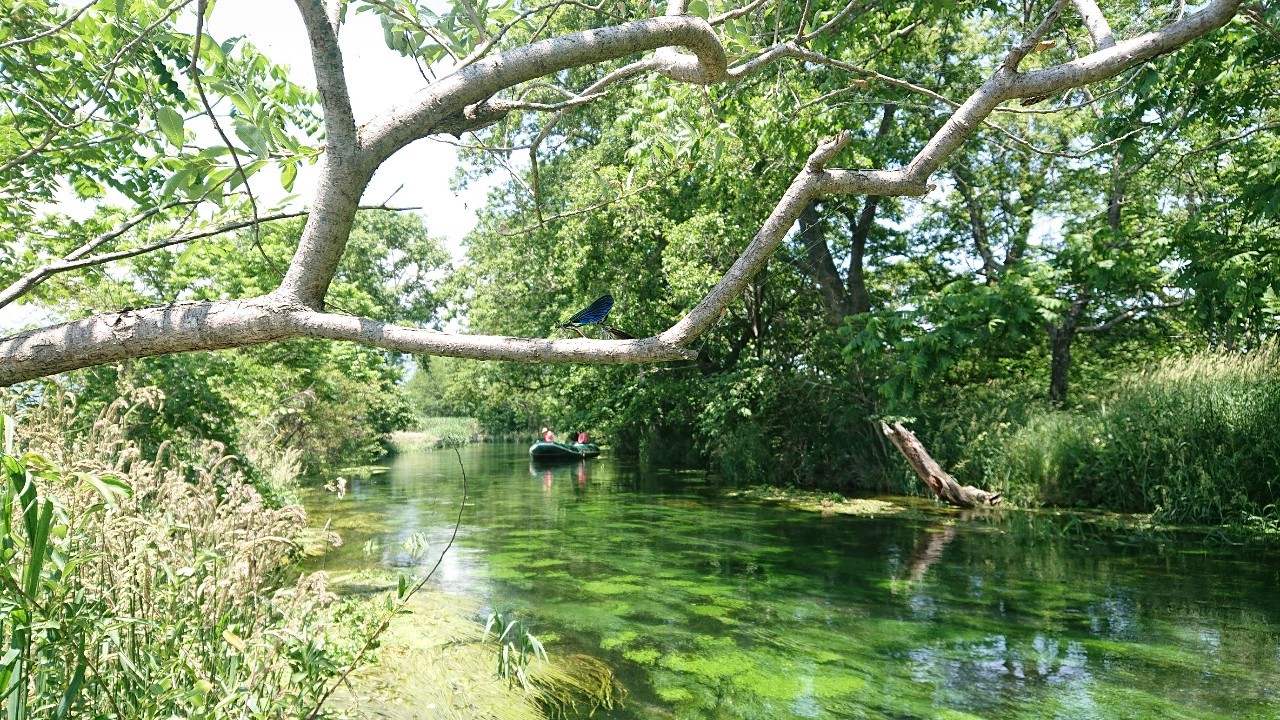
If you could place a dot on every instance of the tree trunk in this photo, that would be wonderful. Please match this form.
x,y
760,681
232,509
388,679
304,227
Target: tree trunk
x,y
939,481
1060,338
821,267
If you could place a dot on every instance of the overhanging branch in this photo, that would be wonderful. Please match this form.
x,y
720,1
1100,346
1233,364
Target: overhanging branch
x,y
294,309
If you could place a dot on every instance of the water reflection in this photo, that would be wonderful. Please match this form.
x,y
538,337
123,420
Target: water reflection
x,y
724,610
576,472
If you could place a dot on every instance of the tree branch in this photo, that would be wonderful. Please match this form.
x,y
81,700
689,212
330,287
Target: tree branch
x,y
77,259
196,326
345,171
1103,64
293,310
1096,22
331,78
46,33
485,78
1129,315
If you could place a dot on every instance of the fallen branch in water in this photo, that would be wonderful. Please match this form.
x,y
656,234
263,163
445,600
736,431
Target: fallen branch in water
x,y
938,480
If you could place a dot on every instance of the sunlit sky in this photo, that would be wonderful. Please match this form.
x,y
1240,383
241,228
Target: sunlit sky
x,y
378,79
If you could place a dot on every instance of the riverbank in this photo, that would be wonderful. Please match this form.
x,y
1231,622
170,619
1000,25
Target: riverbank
x,y
1066,522
438,660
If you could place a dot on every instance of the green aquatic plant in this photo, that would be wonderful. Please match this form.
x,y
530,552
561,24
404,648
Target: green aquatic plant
x,y
517,648
827,503
923,613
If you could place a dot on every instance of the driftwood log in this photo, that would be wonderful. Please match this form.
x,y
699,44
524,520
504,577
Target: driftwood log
x,y
938,480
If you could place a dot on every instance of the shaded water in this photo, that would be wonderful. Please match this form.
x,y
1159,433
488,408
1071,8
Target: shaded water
x,y
711,608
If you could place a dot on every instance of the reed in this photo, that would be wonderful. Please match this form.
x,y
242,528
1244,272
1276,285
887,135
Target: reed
x,y
435,432
1191,440
151,587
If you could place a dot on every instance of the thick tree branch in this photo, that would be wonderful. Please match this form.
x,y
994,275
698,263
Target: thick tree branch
x,y
1124,55
345,171
859,230
814,180
486,347
331,77
1096,22
485,78
188,327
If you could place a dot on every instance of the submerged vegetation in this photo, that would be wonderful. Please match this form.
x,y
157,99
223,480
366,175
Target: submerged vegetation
x,y
811,501
706,607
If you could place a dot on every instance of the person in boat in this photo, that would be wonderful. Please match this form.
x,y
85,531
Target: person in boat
x,y
583,438
548,436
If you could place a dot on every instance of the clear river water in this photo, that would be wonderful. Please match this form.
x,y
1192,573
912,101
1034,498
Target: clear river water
x,y
713,607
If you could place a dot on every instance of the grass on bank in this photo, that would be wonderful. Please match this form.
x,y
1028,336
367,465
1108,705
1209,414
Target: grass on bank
x,y
151,587
435,432
159,587
1193,440
1188,442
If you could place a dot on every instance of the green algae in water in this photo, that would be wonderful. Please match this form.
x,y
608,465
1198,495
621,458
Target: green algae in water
x,y
709,607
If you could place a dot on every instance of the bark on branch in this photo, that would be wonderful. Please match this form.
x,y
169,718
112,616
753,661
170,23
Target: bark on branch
x,y
190,327
939,481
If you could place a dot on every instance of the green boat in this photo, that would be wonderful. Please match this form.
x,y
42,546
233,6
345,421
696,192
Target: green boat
x,y
544,450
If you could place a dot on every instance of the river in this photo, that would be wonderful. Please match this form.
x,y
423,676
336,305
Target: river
x,y
712,607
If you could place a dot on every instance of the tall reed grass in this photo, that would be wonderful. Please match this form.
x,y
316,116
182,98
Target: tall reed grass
x,y
147,587
1192,440
435,432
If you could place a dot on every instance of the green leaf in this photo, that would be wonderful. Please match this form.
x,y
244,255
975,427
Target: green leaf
x,y
288,175
175,184
171,124
73,689
699,8
253,137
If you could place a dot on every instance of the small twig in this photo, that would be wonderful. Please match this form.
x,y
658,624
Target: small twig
x,y
590,208
736,13
1129,314
1255,16
545,107
804,20
833,24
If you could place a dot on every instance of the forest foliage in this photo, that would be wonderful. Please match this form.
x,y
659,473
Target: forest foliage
x,y
1072,242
